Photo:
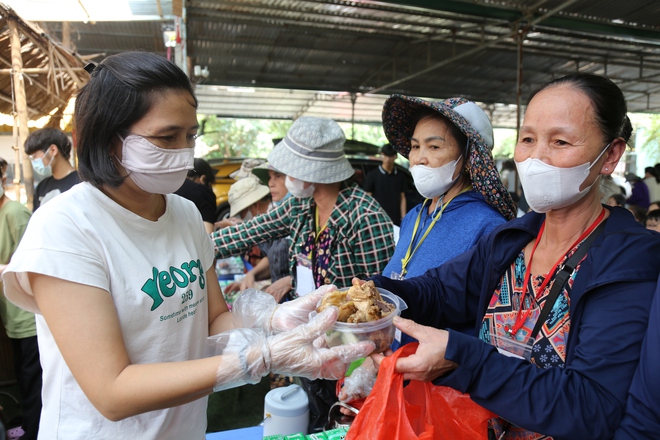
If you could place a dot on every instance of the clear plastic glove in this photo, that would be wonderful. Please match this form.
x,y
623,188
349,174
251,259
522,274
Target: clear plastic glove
x,y
359,384
256,309
248,355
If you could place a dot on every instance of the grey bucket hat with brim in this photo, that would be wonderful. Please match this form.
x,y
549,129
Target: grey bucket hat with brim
x,y
312,151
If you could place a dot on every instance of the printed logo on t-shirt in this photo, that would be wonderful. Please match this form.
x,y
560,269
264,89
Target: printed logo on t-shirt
x,y
165,283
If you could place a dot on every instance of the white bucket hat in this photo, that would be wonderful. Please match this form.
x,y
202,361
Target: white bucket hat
x,y
244,193
312,151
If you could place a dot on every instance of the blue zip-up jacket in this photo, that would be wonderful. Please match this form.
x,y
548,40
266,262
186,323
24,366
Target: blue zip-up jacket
x,y
642,418
609,309
464,221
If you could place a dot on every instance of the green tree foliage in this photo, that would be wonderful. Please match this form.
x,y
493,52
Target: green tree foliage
x,y
254,137
651,145
240,137
505,143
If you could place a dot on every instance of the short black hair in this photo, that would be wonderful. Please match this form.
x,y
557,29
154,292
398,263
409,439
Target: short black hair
x,y
43,138
388,150
119,93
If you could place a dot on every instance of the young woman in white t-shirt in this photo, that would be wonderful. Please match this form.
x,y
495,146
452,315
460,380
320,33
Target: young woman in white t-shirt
x,y
120,275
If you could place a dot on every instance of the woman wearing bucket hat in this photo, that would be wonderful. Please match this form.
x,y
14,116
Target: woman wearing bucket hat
x,y
337,231
449,146
248,198
276,262
560,297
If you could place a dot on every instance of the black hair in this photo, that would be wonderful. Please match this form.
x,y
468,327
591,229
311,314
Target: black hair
x,y
461,139
639,213
653,172
619,199
203,168
119,93
388,150
3,165
653,215
43,138
606,98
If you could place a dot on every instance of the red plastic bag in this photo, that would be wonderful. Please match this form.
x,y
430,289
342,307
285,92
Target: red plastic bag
x,y
420,410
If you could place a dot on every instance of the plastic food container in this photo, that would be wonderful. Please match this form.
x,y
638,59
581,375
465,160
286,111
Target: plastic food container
x,y
381,332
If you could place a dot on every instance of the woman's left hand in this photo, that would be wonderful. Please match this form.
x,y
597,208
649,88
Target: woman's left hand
x,y
428,362
291,314
279,288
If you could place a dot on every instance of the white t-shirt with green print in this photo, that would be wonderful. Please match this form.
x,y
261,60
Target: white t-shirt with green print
x,y
155,273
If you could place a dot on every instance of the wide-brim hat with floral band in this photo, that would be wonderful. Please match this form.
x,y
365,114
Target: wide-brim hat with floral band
x,y
399,118
244,193
262,172
312,151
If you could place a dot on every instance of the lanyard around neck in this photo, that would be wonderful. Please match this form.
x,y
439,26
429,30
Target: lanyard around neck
x,y
410,252
522,315
319,229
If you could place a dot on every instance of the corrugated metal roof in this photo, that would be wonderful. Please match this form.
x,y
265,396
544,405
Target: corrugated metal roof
x,y
426,48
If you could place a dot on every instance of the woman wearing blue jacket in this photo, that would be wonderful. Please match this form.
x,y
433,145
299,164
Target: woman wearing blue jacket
x,y
568,377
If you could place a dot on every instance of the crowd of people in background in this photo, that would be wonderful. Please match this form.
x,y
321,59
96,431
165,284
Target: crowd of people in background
x,y
139,214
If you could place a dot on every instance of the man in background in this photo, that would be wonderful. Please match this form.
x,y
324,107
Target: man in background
x,y
49,150
388,185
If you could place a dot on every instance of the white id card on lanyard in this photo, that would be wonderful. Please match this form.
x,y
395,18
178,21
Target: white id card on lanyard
x,y
304,275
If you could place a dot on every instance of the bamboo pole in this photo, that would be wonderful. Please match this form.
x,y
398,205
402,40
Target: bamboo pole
x,y
21,111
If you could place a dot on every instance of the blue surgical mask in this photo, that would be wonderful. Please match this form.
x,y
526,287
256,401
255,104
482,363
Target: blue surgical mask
x,y
40,168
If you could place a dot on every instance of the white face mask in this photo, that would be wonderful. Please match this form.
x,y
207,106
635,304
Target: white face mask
x,y
153,169
297,188
548,187
434,182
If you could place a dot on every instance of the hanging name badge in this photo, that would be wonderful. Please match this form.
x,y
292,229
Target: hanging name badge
x,y
397,276
512,347
304,275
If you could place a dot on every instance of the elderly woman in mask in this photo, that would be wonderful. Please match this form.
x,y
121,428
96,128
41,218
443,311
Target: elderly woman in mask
x,y
120,275
559,298
449,148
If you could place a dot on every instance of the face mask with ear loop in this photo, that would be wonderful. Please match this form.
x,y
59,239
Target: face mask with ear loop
x,y
40,168
297,188
547,187
153,169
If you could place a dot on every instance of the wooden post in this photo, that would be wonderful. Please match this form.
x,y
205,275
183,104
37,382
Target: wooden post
x,y
21,110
